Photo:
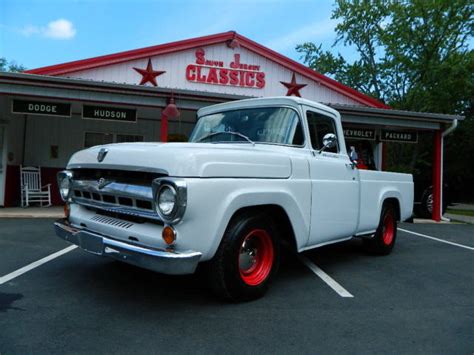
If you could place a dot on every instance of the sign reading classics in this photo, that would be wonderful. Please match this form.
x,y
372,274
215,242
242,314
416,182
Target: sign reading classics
x,y
109,113
399,136
41,108
359,133
216,72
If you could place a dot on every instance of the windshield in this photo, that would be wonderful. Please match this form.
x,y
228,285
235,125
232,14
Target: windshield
x,y
278,125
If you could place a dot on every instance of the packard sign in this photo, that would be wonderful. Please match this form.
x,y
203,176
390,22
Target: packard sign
x,y
399,136
41,108
216,72
359,133
109,113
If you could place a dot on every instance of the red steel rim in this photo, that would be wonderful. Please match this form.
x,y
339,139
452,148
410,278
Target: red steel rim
x,y
388,228
262,249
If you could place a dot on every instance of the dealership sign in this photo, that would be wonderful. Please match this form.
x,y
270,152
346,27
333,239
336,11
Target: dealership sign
x,y
216,72
109,113
41,108
399,136
359,133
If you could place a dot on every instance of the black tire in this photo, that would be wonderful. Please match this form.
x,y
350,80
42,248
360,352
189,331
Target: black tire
x,y
426,206
384,238
247,259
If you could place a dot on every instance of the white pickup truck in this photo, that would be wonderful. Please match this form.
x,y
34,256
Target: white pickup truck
x,y
256,174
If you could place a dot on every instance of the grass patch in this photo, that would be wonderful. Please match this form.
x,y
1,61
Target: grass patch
x,y
461,212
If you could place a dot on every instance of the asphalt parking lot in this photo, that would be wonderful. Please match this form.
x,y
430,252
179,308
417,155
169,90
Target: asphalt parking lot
x,y
419,299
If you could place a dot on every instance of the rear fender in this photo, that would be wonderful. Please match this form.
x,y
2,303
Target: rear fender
x,y
389,193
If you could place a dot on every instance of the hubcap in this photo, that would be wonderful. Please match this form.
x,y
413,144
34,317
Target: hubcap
x,y
429,203
248,257
256,257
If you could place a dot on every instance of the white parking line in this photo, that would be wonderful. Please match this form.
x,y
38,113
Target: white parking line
x,y
35,264
325,277
437,239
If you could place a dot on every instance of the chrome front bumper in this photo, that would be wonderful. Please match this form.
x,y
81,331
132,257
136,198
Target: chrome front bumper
x,y
159,260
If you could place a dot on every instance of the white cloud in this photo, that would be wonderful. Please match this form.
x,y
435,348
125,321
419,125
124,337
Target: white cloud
x,y
309,33
58,29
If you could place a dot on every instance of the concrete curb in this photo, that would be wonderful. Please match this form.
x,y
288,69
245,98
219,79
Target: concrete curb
x,y
428,221
460,218
32,212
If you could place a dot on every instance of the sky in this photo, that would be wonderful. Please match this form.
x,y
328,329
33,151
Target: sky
x,y
37,33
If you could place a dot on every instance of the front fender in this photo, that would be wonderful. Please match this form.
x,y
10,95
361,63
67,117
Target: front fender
x,y
213,202
284,199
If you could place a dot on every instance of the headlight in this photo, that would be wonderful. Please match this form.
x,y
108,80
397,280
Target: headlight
x,y
64,183
170,198
166,200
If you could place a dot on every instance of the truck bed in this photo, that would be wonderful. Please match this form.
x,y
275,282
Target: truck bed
x,y
376,186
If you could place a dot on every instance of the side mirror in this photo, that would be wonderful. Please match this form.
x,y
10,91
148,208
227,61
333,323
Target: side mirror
x,y
329,141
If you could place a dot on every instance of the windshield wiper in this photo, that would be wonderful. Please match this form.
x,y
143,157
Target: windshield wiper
x,y
227,132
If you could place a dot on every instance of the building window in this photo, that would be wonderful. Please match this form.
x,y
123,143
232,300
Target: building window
x,y
122,138
53,151
95,138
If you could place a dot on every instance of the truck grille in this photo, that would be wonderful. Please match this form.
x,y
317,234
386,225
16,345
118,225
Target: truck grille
x,y
117,197
115,200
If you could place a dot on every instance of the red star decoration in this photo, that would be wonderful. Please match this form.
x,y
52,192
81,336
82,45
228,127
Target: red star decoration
x,y
293,87
148,74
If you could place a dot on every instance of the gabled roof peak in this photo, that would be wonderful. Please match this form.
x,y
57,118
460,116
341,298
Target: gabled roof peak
x,y
237,41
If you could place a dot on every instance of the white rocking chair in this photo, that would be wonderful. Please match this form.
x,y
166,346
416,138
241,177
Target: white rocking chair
x,y
31,189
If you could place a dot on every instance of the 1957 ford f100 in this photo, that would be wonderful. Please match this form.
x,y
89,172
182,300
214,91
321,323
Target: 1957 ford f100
x,y
256,174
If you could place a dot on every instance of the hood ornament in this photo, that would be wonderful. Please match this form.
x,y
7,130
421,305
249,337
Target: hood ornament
x,y
101,155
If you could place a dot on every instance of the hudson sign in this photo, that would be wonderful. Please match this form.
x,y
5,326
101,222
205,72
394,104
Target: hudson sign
x,y
216,72
109,113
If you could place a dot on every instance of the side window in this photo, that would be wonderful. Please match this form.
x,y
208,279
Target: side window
x,y
298,137
320,125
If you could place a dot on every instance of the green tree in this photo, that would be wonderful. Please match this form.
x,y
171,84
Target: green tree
x,y
413,55
10,66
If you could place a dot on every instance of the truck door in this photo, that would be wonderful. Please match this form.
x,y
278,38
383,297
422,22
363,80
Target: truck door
x,y
334,182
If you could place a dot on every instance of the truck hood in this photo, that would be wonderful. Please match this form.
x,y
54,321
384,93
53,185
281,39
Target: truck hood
x,y
188,159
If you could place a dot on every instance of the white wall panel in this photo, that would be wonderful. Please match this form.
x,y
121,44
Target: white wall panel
x,y
175,77
68,134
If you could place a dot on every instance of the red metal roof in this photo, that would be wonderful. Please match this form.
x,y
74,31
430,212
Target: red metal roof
x,y
84,64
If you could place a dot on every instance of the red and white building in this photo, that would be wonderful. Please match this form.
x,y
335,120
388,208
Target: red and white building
x,y
47,114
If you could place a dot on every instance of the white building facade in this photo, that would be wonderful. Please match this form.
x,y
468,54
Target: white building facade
x,y
47,114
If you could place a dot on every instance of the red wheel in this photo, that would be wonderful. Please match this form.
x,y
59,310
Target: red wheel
x,y
388,230
384,238
256,257
247,258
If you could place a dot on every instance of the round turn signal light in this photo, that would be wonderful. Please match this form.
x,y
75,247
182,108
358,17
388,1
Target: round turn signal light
x,y
169,235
